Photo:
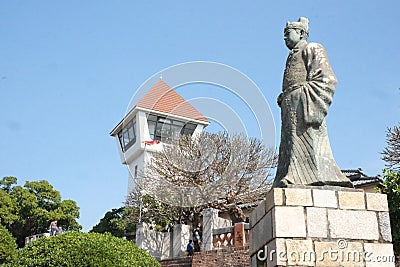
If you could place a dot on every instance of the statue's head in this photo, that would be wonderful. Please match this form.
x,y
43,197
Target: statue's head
x,y
296,31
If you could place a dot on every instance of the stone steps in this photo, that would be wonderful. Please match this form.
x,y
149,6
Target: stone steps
x,y
180,262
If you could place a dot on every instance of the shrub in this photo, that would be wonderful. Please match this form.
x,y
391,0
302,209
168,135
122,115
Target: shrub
x,y
8,246
391,187
84,249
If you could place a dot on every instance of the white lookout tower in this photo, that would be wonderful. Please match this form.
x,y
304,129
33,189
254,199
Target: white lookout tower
x,y
160,115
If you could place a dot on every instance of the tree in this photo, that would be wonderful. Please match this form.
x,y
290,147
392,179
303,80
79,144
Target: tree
x,y
109,223
145,208
8,209
7,183
84,249
391,153
8,247
209,170
28,210
391,183
391,187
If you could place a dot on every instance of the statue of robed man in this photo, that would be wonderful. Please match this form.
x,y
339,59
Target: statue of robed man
x,y
305,155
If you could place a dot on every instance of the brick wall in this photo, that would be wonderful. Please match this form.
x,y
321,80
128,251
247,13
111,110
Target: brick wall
x,y
233,257
180,262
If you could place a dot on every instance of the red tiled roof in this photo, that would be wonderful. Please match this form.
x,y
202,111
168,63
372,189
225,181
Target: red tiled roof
x,y
163,98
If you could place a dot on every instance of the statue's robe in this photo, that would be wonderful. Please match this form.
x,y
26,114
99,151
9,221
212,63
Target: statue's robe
x,y
305,155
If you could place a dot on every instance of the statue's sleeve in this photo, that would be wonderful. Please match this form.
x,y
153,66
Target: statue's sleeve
x,y
320,84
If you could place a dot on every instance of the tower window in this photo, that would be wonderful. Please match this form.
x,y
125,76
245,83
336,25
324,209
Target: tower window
x,y
127,136
165,129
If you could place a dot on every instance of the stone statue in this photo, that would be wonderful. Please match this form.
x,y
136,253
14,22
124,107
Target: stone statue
x,y
305,155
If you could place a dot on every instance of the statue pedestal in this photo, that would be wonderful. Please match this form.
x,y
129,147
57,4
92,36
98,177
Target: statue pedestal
x,y
316,226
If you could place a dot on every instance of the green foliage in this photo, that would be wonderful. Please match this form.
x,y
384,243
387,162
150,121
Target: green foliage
x,y
391,187
109,223
8,247
67,212
84,249
122,221
47,197
7,183
28,210
8,208
157,214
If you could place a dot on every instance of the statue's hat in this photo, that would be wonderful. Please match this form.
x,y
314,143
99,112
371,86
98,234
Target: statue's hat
x,y
301,24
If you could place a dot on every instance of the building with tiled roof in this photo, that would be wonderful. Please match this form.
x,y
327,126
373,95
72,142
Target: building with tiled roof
x,y
362,181
159,116
163,99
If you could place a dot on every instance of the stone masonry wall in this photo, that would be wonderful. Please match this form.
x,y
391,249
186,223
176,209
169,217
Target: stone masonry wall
x,y
319,227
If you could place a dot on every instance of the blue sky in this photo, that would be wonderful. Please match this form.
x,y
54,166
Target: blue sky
x,y
68,70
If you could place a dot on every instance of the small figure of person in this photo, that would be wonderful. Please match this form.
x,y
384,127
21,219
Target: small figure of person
x,y
59,231
189,248
53,228
197,238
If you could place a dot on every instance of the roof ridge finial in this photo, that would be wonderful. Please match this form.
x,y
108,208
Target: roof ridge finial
x,y
161,76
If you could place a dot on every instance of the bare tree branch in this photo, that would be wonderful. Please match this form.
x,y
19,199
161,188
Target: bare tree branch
x,y
210,170
391,153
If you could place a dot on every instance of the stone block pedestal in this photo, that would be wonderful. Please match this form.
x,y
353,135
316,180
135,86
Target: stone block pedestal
x,y
317,226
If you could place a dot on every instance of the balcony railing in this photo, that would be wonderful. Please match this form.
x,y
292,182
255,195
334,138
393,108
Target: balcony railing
x,y
233,236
